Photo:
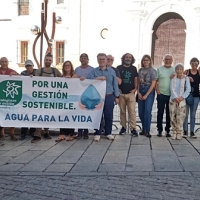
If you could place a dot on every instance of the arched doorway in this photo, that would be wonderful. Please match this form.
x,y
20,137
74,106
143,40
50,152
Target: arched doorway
x,y
168,38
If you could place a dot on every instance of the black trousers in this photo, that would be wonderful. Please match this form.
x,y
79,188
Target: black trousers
x,y
24,131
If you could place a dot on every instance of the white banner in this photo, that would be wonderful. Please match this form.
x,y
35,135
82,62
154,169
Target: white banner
x,y
48,102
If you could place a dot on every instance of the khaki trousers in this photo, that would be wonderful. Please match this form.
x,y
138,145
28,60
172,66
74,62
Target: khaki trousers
x,y
127,101
177,116
38,132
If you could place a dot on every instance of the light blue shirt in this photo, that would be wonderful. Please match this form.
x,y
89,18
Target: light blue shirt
x,y
187,88
111,80
83,72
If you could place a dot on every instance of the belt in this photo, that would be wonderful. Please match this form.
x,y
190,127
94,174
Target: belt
x,y
109,94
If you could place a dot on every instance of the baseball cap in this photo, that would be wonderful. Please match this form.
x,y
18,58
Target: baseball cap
x,y
28,62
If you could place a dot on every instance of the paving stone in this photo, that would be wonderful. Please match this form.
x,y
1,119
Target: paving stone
x,y
26,157
11,145
39,164
81,145
69,157
166,161
179,142
17,151
96,150
85,167
139,150
195,142
167,164
11,167
120,145
185,151
115,156
139,163
56,150
163,153
5,159
112,167
59,168
140,141
190,163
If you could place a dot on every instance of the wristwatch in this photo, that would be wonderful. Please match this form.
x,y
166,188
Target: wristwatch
x,y
117,97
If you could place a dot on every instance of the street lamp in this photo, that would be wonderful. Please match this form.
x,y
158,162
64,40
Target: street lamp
x,y
42,32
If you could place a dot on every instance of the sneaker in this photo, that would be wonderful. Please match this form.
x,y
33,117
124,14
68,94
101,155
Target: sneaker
x,y
192,135
185,134
79,136
134,133
174,137
96,138
122,131
142,132
178,136
148,135
22,137
168,135
35,139
13,137
159,134
110,137
47,136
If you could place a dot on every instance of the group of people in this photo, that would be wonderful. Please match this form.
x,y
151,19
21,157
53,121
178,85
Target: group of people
x,y
126,86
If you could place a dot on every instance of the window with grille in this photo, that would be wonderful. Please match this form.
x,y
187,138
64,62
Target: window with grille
x,y
60,1
23,7
60,49
24,51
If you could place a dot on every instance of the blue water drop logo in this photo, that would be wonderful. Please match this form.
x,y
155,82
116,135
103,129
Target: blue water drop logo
x,y
90,98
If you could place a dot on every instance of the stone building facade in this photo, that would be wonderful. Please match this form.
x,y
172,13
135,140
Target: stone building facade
x,y
154,27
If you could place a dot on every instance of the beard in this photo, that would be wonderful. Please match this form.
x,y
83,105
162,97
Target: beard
x,y
127,62
47,64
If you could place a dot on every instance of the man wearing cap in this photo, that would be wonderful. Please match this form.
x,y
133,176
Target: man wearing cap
x,y
5,70
82,73
28,72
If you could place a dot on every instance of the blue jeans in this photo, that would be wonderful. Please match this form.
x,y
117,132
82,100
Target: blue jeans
x,y
108,115
192,109
163,104
145,107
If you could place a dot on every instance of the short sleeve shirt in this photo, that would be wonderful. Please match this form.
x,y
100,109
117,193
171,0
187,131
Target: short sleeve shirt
x,y
147,75
163,77
128,75
83,72
8,71
116,72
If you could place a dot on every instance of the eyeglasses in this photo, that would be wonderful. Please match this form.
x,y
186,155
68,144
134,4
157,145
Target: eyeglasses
x,y
194,63
146,60
110,59
29,65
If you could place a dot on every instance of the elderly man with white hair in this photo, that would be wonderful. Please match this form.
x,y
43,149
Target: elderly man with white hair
x,y
180,89
163,94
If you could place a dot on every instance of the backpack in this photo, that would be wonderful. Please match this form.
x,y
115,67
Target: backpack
x,y
53,72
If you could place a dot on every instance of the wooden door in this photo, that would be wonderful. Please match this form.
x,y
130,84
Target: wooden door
x,y
169,38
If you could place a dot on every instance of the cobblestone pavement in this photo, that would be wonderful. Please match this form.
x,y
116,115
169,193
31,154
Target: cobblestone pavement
x,y
127,168
98,187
